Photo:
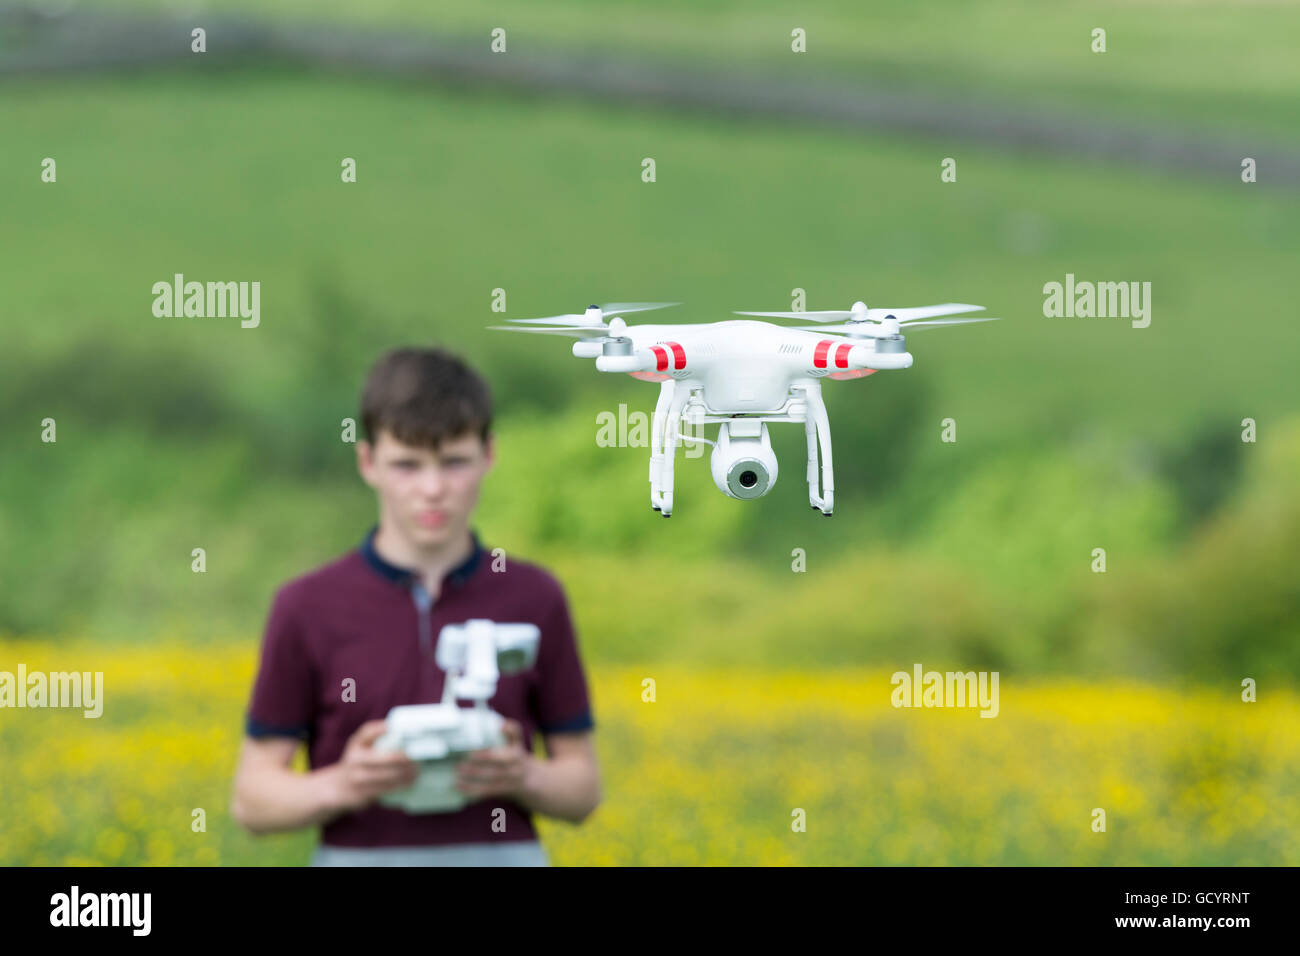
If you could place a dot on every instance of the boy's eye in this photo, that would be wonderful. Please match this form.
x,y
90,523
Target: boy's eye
x,y
411,465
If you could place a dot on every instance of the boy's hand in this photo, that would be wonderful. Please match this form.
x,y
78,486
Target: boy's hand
x,y
363,773
498,771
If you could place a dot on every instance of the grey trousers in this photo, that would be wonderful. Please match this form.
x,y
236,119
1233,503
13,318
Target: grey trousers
x,y
512,853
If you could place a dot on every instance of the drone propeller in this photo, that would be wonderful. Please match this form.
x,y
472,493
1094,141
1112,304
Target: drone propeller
x,y
609,338
619,307
929,325
860,313
594,314
577,331
889,326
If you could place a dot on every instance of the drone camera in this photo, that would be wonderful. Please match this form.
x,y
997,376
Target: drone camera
x,y
744,465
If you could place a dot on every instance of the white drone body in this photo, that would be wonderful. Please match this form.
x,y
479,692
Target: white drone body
x,y
741,375
438,736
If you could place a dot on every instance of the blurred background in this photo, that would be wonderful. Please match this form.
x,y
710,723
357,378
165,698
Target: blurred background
x,y
775,171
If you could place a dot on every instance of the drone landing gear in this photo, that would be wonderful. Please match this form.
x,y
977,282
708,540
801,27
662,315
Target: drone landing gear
x,y
663,444
664,439
817,428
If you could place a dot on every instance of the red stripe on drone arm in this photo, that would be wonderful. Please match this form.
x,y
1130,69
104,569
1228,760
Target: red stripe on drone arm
x,y
842,355
679,355
661,358
819,357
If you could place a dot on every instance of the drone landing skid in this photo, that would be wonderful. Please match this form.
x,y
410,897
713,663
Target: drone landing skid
x,y
678,403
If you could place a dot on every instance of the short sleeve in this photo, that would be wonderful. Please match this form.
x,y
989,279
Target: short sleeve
x,y
284,692
562,701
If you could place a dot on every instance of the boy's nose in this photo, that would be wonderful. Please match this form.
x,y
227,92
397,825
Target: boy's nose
x,y
431,482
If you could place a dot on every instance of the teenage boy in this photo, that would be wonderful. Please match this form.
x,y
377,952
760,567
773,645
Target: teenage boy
x,y
350,640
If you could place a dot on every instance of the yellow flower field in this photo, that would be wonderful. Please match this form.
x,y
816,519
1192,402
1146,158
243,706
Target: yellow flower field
x,y
715,771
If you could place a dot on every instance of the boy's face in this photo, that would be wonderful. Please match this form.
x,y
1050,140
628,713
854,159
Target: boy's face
x,y
426,496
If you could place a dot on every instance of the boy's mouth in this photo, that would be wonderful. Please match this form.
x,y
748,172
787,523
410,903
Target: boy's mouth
x,y
431,519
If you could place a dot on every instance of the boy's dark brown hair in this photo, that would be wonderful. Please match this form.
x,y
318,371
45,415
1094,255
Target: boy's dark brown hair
x,y
424,396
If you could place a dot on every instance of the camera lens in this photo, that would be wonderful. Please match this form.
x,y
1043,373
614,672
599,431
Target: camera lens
x,y
748,479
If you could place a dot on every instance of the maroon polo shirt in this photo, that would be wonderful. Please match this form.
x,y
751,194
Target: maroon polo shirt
x,y
360,617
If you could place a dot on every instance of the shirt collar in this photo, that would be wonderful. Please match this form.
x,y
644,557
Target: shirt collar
x,y
405,576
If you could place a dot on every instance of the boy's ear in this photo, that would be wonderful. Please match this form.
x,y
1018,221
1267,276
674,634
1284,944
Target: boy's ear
x,y
365,458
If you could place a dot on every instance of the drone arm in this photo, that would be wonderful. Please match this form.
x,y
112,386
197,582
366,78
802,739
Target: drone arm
x,y
641,360
861,357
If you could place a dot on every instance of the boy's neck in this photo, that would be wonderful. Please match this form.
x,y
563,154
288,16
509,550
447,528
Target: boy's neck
x,y
430,564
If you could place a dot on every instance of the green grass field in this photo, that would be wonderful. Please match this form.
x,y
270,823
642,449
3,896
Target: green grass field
x,y
457,196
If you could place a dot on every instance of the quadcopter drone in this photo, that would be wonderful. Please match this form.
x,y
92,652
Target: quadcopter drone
x,y
742,374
